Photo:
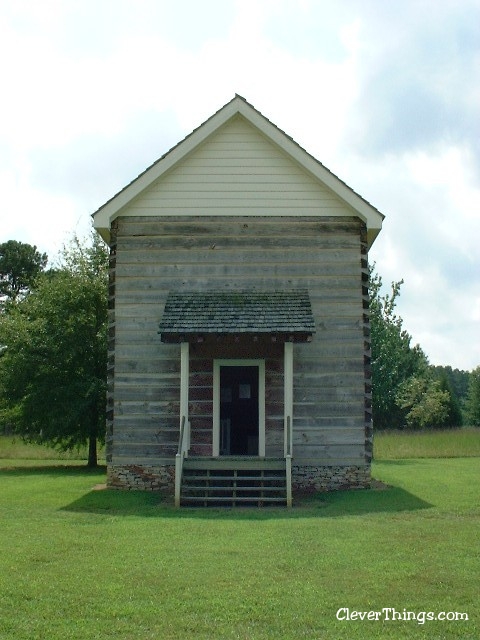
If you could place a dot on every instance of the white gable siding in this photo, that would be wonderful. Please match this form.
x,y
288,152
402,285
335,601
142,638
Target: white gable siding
x,y
238,172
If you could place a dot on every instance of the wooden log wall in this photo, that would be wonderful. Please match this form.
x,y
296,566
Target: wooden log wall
x,y
153,255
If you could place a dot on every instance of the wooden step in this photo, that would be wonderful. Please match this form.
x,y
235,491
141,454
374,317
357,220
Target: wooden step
x,y
211,487
229,478
244,481
231,463
233,501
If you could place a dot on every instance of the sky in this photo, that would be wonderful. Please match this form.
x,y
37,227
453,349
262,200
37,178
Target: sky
x,y
385,93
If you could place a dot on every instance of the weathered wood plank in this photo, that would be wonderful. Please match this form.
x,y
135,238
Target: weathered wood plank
x,y
354,451
137,435
229,242
327,409
180,270
323,422
216,255
328,455
147,380
338,395
126,365
156,256
138,401
149,452
314,437
143,230
152,290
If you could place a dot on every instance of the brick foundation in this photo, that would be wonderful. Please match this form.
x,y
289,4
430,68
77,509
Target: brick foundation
x,y
311,478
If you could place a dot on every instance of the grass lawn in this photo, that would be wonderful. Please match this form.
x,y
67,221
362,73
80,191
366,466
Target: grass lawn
x,y
78,563
450,443
13,450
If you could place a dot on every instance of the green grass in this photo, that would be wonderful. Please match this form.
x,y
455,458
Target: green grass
x,y
79,563
15,449
453,443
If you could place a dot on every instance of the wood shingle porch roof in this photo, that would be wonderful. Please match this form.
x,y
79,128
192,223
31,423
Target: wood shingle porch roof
x,y
285,312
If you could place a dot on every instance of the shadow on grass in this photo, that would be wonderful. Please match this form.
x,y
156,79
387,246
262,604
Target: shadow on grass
x,y
324,505
146,504
62,468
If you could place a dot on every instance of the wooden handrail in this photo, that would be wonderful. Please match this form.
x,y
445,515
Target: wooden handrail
x,y
288,461
289,443
182,435
181,453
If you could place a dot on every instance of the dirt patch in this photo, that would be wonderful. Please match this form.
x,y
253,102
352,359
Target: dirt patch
x,y
378,485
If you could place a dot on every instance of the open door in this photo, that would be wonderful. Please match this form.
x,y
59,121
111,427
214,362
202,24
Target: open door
x,y
239,411
239,408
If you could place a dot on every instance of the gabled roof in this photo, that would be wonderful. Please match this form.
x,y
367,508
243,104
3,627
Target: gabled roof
x,y
104,216
286,312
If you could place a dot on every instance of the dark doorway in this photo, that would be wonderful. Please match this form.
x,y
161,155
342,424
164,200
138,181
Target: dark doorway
x,y
239,410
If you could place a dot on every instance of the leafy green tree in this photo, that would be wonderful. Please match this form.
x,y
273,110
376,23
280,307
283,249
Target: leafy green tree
x,y
473,399
426,404
454,416
20,265
456,382
394,360
53,369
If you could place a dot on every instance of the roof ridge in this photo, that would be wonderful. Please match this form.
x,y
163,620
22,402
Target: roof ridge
x,y
277,136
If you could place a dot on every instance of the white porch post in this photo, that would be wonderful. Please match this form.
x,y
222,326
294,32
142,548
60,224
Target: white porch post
x,y
288,389
184,437
184,375
288,417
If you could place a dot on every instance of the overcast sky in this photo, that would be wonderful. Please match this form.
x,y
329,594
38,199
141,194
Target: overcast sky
x,y
385,93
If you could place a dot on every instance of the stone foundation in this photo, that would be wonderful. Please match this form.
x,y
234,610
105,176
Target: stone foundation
x,y
141,478
304,479
311,478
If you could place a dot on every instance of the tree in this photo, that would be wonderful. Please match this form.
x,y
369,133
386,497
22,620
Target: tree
x,y
394,361
456,382
20,265
53,369
457,379
454,416
425,402
473,399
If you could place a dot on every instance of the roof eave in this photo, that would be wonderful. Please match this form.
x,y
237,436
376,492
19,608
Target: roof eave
x,y
105,215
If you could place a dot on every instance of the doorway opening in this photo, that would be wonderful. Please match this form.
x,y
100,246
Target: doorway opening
x,y
239,411
239,408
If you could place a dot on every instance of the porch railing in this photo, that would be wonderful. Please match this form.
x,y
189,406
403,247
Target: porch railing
x,y
288,461
183,447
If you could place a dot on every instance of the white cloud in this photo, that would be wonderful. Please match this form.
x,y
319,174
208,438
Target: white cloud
x,y
384,94
430,239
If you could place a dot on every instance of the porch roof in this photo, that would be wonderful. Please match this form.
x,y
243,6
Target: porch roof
x,y
188,313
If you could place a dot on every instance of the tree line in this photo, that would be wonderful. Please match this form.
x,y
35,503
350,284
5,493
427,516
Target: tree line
x,y
53,354
53,344
408,392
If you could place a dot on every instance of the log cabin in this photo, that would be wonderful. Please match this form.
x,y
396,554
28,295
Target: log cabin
x,y
239,343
